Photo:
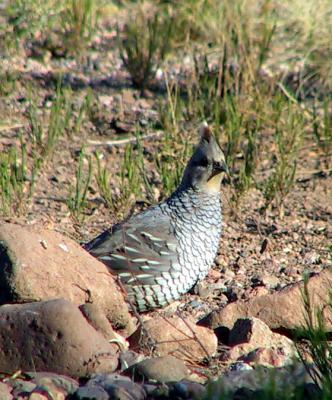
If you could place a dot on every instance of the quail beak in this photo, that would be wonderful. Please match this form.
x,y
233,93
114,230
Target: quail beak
x,y
218,168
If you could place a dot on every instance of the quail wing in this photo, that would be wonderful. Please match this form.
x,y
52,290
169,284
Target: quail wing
x,y
140,249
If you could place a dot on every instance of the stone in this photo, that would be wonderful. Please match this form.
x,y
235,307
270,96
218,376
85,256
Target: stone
x,y
251,334
270,281
31,255
283,309
275,357
128,358
21,387
52,336
160,369
98,320
5,391
179,337
239,366
55,385
187,390
39,396
90,393
257,333
288,381
285,379
118,387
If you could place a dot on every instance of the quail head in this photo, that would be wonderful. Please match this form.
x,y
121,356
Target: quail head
x,y
162,252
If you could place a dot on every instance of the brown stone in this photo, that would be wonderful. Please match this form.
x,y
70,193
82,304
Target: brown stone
x,y
275,357
5,391
52,336
98,320
40,396
38,264
179,337
283,309
250,334
161,369
56,386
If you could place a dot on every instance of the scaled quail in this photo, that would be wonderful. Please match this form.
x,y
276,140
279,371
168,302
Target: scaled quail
x,y
160,253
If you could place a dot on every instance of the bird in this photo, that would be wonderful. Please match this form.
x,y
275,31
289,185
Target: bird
x,y
160,253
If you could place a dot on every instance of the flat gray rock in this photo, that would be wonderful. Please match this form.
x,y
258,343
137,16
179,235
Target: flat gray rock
x,y
160,369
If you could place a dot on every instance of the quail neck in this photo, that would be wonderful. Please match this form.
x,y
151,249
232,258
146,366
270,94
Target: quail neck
x,y
163,251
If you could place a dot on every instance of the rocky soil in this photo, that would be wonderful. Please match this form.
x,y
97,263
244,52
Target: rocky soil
x,y
66,331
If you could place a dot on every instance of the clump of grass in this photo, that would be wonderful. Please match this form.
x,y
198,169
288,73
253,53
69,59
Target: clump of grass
x,y
84,112
233,128
322,129
287,136
7,82
248,166
303,34
170,162
26,17
16,186
77,199
103,183
131,181
61,119
145,41
173,155
73,23
79,21
20,168
318,342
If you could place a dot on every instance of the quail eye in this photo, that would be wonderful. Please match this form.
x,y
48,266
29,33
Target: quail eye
x,y
219,166
204,162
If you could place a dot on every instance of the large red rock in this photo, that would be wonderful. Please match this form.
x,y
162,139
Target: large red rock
x,y
283,309
52,336
176,336
39,264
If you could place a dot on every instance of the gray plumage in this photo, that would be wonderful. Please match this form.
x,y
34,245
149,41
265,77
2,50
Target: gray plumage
x,y
163,251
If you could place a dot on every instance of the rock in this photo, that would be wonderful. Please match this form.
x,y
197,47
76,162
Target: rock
x,y
270,357
39,396
187,390
283,309
98,320
52,336
285,379
257,333
55,385
160,369
270,281
5,391
118,387
128,358
251,334
31,255
208,289
21,387
179,337
90,393
256,291
240,366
